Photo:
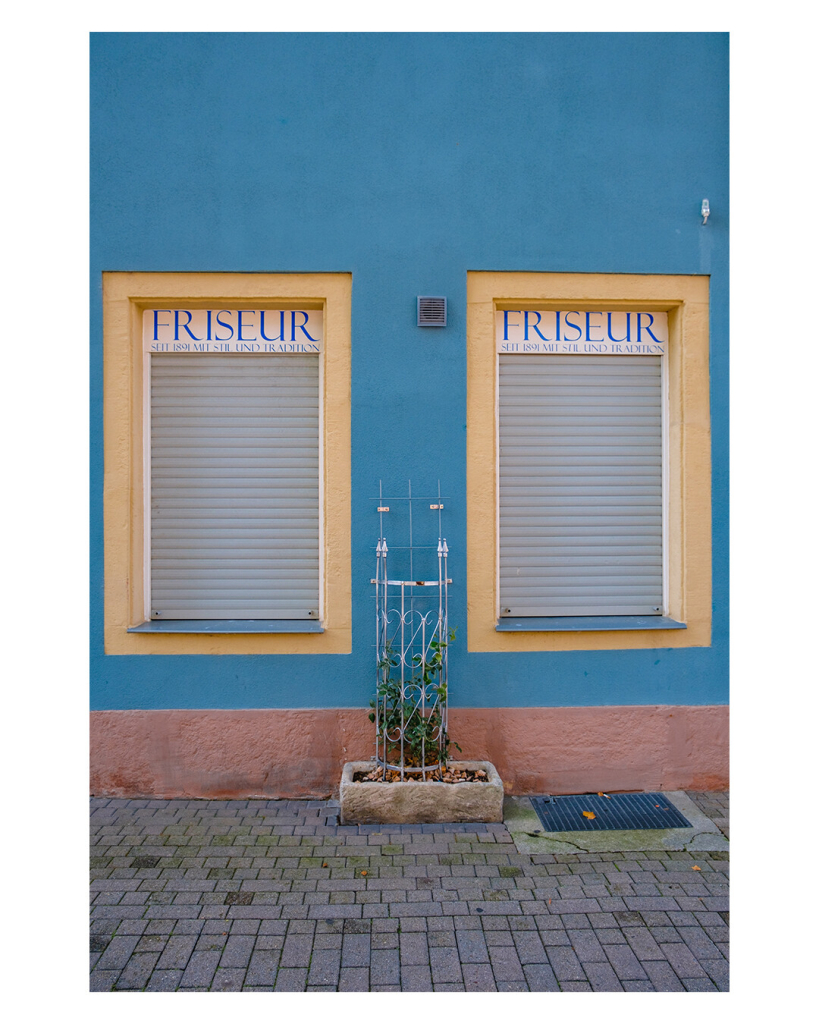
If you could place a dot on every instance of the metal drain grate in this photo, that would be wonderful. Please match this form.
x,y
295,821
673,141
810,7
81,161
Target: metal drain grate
x,y
618,811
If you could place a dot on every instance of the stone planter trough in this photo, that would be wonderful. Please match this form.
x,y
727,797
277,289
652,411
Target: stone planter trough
x,y
372,803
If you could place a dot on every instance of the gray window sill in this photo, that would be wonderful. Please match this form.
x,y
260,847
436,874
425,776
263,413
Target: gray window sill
x,y
584,623
229,626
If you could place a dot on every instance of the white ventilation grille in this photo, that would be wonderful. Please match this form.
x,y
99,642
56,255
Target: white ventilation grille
x,y
431,311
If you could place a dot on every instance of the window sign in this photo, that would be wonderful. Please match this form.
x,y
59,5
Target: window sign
x,y
254,331
590,332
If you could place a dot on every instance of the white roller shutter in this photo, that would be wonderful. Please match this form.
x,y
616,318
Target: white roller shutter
x,y
234,486
581,472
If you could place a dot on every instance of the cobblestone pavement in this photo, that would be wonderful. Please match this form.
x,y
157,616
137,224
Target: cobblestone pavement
x,y
257,895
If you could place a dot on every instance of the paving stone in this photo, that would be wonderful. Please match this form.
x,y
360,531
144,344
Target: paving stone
x,y
354,979
414,949
478,978
318,911
717,970
200,970
642,942
385,967
445,965
602,977
565,964
229,979
587,946
628,917
575,986
505,964
624,962
699,985
324,967
177,952
270,927
708,918
540,977
164,981
297,950
354,926
243,926
662,976
237,951
415,979
682,960
137,971
698,942
355,950
581,905
103,981
263,967
302,928
575,921
530,948
291,979
117,953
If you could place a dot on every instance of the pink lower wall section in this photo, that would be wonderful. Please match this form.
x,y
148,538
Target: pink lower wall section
x,y
298,754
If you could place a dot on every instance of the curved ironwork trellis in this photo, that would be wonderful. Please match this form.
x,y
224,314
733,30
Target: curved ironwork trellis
x,y
412,662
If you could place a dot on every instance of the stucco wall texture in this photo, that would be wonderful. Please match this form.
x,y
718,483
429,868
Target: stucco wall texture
x,y
299,754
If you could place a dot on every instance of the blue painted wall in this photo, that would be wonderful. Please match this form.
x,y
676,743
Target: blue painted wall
x,y
408,160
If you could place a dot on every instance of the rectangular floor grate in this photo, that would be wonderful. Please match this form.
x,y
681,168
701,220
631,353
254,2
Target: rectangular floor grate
x,y
618,811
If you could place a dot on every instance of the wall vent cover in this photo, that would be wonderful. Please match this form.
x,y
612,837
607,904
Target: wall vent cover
x,y
618,811
431,311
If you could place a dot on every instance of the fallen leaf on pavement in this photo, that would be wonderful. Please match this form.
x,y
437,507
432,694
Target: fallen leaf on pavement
x,y
589,814
694,867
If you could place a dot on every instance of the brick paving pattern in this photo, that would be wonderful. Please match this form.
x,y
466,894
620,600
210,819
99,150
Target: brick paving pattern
x,y
267,895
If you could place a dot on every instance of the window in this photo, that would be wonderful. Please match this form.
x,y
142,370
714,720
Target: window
x,y
232,512
580,463
235,414
587,398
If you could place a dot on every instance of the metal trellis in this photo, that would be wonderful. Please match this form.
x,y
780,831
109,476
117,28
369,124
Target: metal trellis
x,y
412,661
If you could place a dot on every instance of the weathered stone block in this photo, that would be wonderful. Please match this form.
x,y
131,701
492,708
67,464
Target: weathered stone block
x,y
365,803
